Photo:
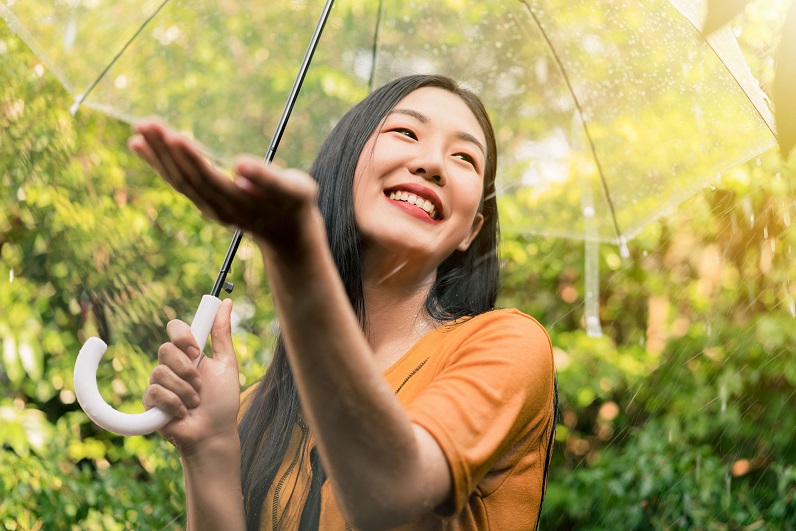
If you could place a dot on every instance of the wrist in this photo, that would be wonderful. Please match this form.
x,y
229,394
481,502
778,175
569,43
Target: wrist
x,y
223,447
297,241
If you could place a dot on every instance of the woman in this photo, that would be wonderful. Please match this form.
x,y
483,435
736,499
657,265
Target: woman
x,y
398,397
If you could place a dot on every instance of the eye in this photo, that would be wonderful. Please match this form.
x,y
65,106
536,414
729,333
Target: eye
x,y
403,131
467,158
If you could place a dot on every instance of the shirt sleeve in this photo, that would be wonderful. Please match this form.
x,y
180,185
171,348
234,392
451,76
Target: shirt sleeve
x,y
496,388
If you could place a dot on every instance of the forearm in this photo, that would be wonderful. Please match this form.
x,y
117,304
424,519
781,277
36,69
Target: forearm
x,y
365,438
212,486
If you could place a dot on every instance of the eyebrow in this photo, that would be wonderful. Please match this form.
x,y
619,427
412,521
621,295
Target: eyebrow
x,y
422,118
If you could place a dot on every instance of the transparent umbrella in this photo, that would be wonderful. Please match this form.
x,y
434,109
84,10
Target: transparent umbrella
x,y
620,104
608,114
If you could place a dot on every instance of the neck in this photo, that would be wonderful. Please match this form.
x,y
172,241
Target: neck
x,y
395,295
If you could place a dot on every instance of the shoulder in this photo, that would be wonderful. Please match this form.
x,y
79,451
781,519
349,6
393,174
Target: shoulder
x,y
506,329
507,319
504,347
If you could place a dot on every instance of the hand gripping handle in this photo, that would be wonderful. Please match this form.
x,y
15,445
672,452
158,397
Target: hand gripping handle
x,y
123,423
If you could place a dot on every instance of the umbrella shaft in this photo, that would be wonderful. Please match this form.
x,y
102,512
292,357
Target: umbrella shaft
x,y
294,92
221,279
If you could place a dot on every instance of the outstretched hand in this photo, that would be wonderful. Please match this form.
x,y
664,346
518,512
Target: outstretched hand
x,y
264,200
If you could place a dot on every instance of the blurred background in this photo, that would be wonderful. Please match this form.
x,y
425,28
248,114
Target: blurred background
x,y
681,415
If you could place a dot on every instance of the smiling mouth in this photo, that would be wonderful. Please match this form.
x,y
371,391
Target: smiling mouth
x,y
413,199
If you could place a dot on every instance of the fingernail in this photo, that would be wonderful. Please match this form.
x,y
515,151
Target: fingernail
x,y
193,352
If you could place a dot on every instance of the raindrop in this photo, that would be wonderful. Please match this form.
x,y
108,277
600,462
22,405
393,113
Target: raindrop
x,y
723,397
11,276
728,481
788,299
698,465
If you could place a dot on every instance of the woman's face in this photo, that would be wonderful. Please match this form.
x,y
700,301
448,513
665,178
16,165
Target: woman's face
x,y
419,180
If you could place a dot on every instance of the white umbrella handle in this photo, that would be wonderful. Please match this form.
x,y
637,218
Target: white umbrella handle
x,y
105,416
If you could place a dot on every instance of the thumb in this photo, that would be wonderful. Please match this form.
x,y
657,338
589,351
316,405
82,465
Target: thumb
x,y
221,335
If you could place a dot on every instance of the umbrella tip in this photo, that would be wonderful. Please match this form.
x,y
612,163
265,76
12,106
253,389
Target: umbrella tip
x,y
624,252
76,105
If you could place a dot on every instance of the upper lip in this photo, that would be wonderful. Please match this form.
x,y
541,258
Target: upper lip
x,y
420,191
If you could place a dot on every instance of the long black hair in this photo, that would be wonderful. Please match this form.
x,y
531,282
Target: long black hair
x,y
466,282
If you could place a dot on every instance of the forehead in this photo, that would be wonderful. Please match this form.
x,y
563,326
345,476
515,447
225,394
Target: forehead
x,y
443,109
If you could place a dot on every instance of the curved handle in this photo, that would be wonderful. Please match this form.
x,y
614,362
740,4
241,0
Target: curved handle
x,y
124,423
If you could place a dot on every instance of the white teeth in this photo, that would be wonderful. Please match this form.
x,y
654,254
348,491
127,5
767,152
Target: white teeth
x,y
413,199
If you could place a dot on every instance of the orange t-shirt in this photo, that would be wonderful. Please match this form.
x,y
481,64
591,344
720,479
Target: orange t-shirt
x,y
484,388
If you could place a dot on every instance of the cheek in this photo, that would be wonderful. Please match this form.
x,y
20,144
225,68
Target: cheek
x,y
470,199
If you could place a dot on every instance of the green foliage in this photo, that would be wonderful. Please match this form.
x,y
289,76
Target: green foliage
x,y
682,417
92,243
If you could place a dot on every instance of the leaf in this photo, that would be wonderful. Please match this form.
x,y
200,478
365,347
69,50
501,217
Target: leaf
x,y
784,85
720,12
11,363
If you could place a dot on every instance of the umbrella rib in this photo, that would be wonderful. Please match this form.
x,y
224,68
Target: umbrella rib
x,y
560,65
375,47
80,99
734,77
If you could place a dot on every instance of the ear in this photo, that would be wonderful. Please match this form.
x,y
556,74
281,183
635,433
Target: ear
x,y
478,222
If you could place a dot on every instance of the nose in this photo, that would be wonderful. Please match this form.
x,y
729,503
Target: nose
x,y
431,176
430,164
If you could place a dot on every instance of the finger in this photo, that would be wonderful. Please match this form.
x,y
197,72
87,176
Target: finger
x,y
155,135
261,178
161,142
152,143
215,187
138,145
176,359
221,335
163,376
184,168
180,334
165,400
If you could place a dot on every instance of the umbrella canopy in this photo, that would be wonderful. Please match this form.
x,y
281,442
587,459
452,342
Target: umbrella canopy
x,y
608,114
